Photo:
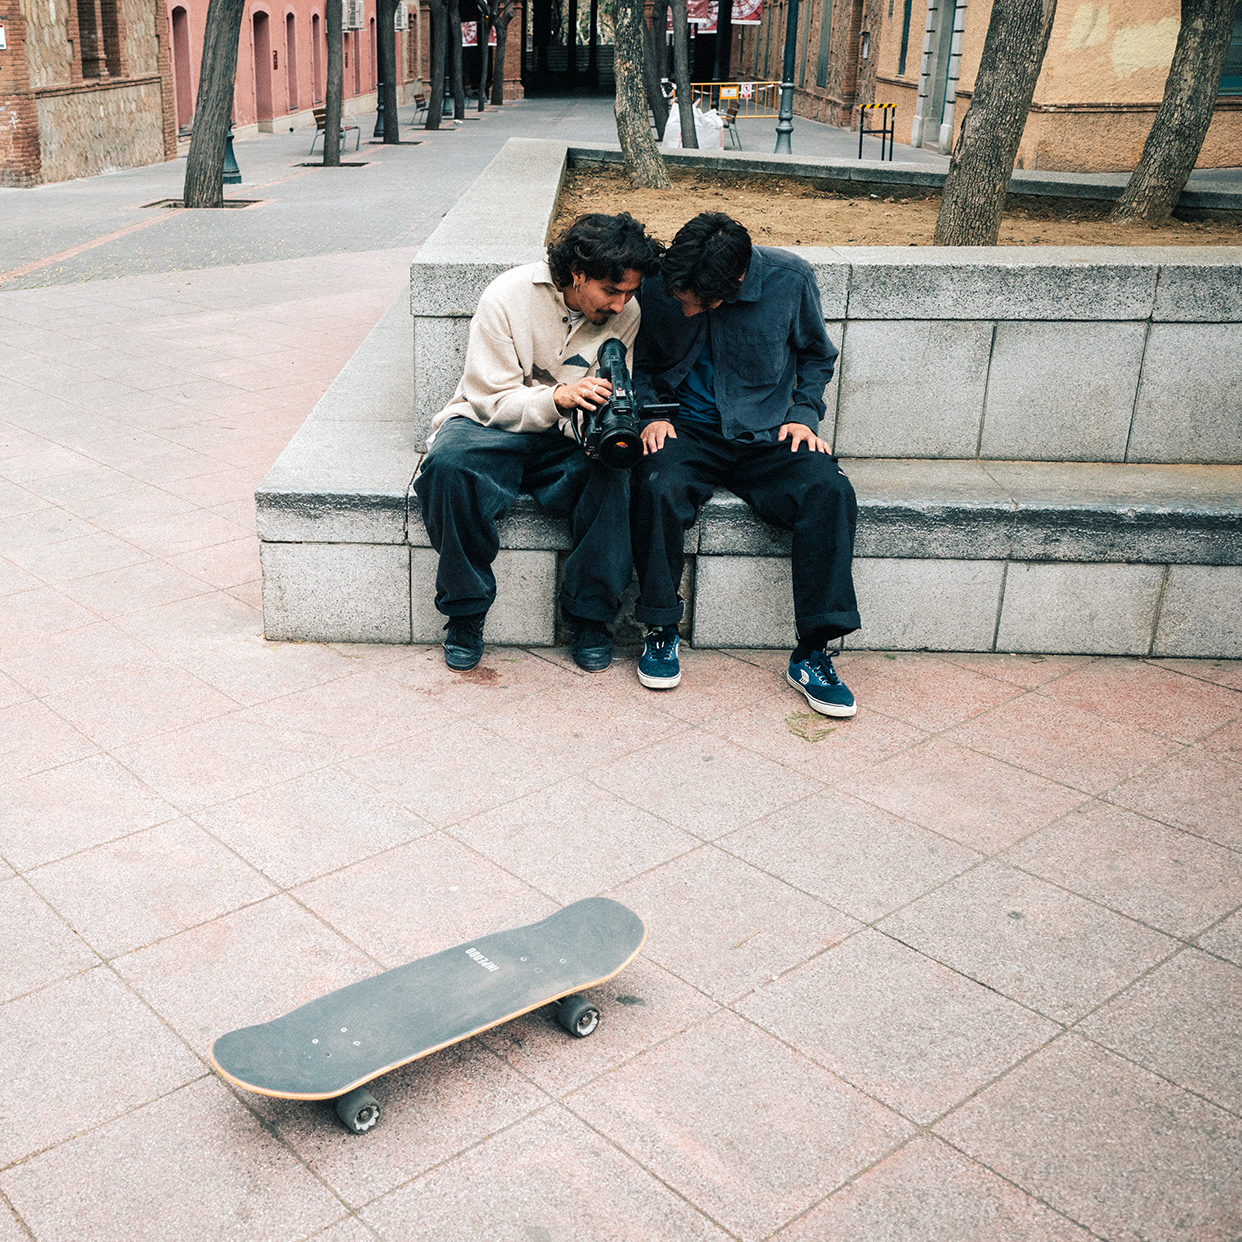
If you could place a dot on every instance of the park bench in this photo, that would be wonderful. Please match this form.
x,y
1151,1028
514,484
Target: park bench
x,y
320,115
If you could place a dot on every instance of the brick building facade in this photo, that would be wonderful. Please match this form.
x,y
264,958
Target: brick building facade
x,y
91,85
85,86
1102,79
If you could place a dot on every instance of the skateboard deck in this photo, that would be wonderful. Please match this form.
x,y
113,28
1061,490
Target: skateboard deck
x,y
328,1048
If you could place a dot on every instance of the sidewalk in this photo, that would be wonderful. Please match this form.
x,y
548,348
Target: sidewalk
x,y
966,968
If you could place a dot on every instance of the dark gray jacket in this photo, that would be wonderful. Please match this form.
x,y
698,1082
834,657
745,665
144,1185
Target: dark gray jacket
x,y
771,354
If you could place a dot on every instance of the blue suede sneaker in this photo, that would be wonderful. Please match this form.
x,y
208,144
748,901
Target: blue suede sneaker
x,y
658,667
818,680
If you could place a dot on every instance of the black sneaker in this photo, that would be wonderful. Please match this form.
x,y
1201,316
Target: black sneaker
x,y
591,645
463,642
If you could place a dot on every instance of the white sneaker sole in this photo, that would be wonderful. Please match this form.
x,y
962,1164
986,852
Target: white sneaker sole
x,y
824,709
659,683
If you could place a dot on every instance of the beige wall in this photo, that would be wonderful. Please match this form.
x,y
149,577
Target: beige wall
x,y
48,53
1102,78
93,131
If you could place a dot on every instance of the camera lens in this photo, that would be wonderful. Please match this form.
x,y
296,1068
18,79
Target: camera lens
x,y
620,449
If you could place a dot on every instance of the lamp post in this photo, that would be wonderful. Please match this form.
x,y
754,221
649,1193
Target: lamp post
x,y
232,174
784,120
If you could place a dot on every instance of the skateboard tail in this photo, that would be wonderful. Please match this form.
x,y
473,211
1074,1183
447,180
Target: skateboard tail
x,y
239,1047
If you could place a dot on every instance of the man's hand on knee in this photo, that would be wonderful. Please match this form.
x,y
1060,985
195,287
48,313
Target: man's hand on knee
x,y
654,434
798,434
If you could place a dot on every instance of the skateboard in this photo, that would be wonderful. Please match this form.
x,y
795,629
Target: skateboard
x,y
329,1048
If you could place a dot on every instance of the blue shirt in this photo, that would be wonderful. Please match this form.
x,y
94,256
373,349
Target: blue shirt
x,y
697,392
772,358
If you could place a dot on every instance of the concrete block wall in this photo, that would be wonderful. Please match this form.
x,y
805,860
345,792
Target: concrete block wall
x,y
1045,445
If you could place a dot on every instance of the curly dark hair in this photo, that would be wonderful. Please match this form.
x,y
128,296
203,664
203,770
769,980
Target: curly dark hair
x,y
708,257
603,248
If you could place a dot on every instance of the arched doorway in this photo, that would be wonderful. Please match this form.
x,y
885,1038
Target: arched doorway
x,y
182,82
374,57
262,68
291,63
317,39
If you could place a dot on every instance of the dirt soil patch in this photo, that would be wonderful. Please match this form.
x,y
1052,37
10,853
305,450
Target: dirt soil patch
x,y
788,211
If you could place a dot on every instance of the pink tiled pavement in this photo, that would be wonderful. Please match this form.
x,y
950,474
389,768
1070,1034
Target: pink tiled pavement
x,y
857,927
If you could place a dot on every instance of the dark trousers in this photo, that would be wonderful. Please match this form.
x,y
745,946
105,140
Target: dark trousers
x,y
802,492
470,480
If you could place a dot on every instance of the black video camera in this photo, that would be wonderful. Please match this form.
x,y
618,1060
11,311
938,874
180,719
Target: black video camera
x,y
610,432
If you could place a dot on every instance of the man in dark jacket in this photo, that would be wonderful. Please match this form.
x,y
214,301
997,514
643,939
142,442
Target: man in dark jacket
x,y
735,334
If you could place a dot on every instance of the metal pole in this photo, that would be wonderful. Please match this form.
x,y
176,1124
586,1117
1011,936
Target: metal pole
x,y
784,121
232,174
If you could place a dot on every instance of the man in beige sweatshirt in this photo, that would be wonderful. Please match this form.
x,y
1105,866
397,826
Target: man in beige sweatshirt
x,y
530,364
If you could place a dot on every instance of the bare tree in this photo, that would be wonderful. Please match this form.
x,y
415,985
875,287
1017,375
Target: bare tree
x,y
435,64
456,81
386,37
982,163
504,16
681,73
1185,112
204,165
638,146
485,31
333,23
655,63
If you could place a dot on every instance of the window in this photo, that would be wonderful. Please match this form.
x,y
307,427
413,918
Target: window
x,y
905,38
825,36
1231,77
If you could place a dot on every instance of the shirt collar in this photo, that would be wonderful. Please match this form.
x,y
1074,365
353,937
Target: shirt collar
x,y
752,283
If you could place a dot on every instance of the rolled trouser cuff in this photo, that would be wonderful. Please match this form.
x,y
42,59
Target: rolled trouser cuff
x,y
659,616
837,624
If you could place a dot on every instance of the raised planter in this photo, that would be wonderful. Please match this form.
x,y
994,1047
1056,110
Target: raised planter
x,y
1045,443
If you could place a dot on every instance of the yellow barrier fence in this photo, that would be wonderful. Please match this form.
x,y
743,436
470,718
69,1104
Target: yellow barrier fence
x,y
753,99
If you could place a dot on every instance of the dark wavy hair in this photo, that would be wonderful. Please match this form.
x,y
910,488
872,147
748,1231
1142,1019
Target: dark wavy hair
x,y
603,248
708,257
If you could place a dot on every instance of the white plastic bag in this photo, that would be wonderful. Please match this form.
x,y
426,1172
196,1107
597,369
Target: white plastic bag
x,y
708,128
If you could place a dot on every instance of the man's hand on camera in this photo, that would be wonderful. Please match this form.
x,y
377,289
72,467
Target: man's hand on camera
x,y
798,434
584,394
654,434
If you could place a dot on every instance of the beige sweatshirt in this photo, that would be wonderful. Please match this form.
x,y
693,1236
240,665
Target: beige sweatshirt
x,y
522,345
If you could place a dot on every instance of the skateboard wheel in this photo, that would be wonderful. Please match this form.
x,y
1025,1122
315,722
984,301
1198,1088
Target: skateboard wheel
x,y
358,1111
578,1016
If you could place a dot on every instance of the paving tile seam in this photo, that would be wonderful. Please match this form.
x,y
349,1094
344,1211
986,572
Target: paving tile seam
x,y
1164,737
6,1202
1066,1026
1224,918
99,1125
1185,939
1023,1190
1168,823
1164,1077
637,1163
549,1104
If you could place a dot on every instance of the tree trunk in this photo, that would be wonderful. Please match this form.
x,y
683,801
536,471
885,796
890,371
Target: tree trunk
x,y
386,37
642,156
982,163
334,87
485,30
204,165
724,41
498,69
655,64
439,45
681,73
457,82
1185,112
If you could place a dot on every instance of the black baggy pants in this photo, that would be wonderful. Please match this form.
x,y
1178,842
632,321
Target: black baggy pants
x,y
470,479
803,492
